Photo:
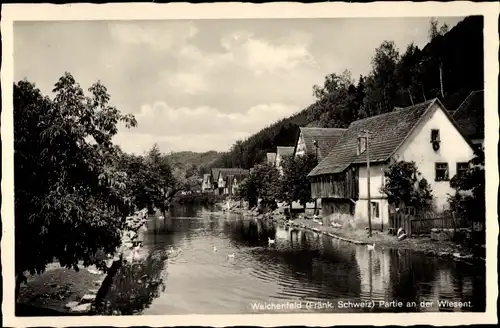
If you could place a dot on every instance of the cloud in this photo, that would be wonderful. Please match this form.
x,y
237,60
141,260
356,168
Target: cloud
x,y
201,84
160,119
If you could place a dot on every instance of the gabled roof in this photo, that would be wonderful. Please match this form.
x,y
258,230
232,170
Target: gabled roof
x,y
388,132
284,151
325,137
470,115
215,174
271,158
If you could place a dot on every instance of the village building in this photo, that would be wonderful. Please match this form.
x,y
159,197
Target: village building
x,y
425,133
214,180
316,141
233,182
282,152
206,184
225,179
271,158
470,118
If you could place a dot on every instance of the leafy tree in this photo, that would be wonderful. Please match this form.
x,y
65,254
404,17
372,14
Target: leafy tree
x,y
404,187
469,199
69,197
295,185
263,182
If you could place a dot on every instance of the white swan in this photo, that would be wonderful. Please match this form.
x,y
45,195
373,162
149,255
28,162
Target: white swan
x,y
215,249
271,241
231,256
161,217
370,247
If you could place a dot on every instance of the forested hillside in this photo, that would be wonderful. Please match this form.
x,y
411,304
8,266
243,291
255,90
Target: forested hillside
x,y
449,67
188,159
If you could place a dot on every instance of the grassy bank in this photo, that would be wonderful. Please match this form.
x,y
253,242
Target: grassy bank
x,y
56,287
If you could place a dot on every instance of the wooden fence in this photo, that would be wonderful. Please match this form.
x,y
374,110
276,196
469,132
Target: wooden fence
x,y
417,223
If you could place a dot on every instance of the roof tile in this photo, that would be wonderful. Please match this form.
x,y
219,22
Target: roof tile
x,y
326,138
387,132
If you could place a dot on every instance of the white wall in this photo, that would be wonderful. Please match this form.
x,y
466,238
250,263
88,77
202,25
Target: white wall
x,y
453,149
376,180
278,164
376,183
361,213
301,146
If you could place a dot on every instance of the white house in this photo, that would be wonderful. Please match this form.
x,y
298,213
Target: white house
x,y
424,133
206,184
226,177
271,158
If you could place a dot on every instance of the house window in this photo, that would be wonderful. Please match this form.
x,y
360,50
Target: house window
x,y
442,172
435,136
462,168
375,210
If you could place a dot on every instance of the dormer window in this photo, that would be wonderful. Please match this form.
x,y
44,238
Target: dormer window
x,y
361,145
435,136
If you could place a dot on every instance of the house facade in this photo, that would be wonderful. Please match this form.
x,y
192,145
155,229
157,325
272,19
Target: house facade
x,y
317,142
425,133
226,178
282,152
206,184
271,158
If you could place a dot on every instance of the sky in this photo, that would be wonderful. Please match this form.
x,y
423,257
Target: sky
x,y
201,85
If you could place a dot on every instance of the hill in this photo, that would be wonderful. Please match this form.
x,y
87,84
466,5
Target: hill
x,y
187,159
449,67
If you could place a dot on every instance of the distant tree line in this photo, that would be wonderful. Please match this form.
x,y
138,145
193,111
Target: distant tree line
x,y
449,67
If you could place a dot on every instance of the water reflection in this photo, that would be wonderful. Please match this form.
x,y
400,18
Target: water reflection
x,y
302,266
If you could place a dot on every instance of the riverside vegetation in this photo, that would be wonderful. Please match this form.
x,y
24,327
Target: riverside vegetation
x,y
76,213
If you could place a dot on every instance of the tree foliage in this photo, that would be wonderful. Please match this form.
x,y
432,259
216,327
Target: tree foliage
x,y
73,186
70,198
262,183
404,187
469,199
294,183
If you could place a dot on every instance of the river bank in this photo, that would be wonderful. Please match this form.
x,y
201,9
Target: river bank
x,y
69,292
422,244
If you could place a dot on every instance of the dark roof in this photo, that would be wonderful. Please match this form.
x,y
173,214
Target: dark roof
x,y
283,151
470,115
225,172
215,174
388,132
326,138
271,157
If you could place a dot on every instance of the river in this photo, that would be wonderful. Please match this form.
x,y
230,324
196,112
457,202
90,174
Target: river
x,y
302,272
